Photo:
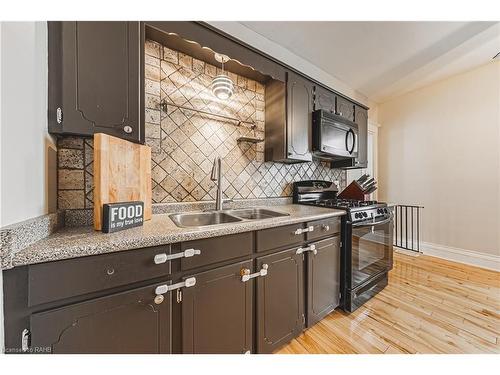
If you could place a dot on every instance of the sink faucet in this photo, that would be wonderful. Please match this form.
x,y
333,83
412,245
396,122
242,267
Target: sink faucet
x,y
217,176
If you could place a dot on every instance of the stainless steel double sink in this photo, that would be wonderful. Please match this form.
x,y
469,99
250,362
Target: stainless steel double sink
x,y
202,219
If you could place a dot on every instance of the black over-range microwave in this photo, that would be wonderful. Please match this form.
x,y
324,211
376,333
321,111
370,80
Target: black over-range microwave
x,y
334,137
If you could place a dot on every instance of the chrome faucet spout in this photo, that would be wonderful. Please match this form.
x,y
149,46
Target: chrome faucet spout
x,y
217,176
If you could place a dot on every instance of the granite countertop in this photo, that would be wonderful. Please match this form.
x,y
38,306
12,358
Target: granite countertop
x,y
160,230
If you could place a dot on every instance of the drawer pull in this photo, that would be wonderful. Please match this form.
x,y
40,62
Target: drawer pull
x,y
325,227
302,250
246,275
305,230
162,258
162,289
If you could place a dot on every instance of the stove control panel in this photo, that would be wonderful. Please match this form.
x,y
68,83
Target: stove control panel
x,y
366,214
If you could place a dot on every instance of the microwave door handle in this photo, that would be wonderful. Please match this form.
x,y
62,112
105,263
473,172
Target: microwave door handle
x,y
347,141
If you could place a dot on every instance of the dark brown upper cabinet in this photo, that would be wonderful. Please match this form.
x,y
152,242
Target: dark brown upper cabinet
x,y
288,119
344,108
361,118
128,322
217,312
96,79
324,99
323,279
280,300
330,101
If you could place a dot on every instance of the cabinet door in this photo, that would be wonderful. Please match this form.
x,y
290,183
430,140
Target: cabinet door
x,y
280,300
345,108
217,312
299,117
128,322
361,118
95,79
323,279
324,99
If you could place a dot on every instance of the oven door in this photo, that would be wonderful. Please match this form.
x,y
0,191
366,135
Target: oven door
x,y
371,252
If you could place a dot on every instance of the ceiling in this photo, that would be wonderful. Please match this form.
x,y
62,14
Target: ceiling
x,y
383,59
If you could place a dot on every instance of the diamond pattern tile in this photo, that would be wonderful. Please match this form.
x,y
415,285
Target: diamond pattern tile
x,y
185,142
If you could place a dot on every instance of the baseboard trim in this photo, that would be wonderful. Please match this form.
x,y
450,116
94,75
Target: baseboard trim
x,y
411,253
473,258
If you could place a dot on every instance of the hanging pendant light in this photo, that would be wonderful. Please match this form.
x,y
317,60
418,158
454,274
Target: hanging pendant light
x,y
222,86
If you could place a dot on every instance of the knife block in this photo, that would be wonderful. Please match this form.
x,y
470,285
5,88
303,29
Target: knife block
x,y
353,191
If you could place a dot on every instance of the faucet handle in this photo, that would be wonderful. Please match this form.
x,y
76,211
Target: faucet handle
x,y
213,175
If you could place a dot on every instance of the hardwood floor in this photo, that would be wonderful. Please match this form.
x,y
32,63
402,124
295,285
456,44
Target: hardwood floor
x,y
430,306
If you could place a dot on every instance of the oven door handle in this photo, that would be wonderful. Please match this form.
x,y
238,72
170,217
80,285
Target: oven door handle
x,y
372,223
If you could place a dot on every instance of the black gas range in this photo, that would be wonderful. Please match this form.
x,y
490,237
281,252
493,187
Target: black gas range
x,y
367,237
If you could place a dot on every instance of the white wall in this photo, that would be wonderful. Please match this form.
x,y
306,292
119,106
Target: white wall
x,y
23,125
439,147
23,121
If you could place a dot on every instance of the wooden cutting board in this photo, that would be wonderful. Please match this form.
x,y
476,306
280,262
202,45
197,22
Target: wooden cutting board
x,y
122,173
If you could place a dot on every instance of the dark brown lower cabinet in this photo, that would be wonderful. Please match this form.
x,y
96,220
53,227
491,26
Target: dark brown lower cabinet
x,y
280,300
250,305
217,312
323,284
128,322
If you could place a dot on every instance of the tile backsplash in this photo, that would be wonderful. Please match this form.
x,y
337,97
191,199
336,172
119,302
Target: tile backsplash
x,y
75,173
185,141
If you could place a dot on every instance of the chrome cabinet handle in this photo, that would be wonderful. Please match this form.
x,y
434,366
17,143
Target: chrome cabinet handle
x,y
325,227
188,283
311,248
25,340
305,230
162,258
127,129
59,115
246,275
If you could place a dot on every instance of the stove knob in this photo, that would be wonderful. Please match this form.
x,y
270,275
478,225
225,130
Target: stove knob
x,y
357,215
365,214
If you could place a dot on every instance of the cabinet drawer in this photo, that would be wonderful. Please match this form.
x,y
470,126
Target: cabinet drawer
x,y
279,237
68,278
323,228
217,249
